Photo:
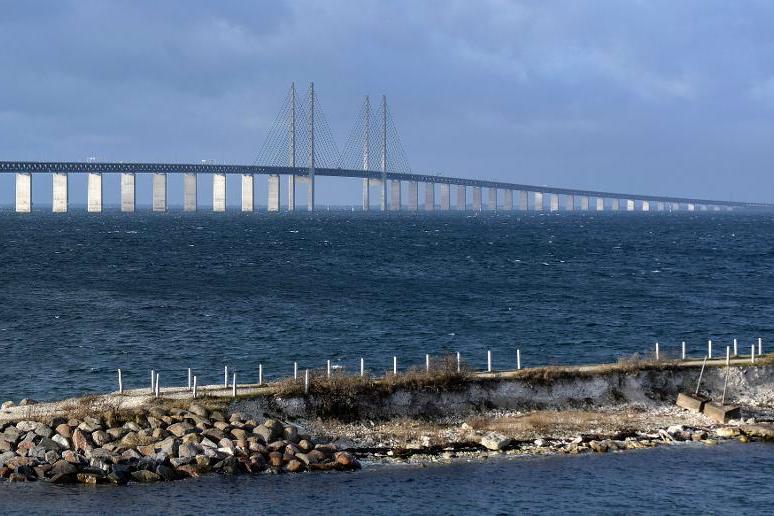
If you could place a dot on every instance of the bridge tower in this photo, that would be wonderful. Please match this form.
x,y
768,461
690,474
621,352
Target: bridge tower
x,y
292,148
310,144
366,156
383,185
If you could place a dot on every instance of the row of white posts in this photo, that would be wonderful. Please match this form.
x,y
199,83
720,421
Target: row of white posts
x,y
192,379
728,350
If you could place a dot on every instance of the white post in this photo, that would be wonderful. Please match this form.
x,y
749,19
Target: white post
x,y
709,349
458,361
329,368
306,381
120,383
157,385
233,387
752,354
518,359
683,355
362,367
194,386
728,356
489,361
153,379
260,374
295,370
735,348
189,378
427,363
760,346
225,377
395,366
656,351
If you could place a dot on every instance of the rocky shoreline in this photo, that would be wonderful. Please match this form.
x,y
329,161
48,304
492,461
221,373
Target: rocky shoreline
x,y
160,445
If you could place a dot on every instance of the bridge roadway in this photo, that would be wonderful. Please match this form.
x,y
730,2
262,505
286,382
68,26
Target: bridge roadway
x,y
64,167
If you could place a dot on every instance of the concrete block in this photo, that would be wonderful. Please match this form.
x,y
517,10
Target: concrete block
x,y
273,201
23,192
159,192
691,402
721,413
190,202
128,193
219,192
94,193
60,193
248,192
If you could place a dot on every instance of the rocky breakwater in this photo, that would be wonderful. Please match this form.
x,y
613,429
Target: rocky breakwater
x,y
159,445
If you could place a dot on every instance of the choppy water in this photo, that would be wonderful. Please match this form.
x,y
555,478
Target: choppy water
x,y
692,479
82,295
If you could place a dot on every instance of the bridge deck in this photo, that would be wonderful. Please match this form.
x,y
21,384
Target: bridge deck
x,y
41,167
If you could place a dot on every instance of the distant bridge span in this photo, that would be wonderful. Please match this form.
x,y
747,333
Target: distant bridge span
x,y
25,170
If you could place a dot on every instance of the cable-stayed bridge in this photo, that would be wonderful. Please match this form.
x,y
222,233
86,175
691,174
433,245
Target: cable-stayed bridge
x,y
300,147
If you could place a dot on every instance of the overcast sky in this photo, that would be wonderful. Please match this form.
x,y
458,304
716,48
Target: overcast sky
x,y
662,97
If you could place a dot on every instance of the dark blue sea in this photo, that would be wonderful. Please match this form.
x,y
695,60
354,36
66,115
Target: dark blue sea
x,y
82,295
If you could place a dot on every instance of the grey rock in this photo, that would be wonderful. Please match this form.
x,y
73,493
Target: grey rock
x,y
495,441
62,441
27,426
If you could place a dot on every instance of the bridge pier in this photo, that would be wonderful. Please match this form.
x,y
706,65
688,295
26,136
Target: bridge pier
x,y
445,196
94,193
248,192
291,192
395,195
429,196
507,200
629,205
413,196
674,206
615,204
554,205
569,202
23,192
273,202
128,196
659,206
584,203
189,192
218,192
366,195
462,197
382,184
159,192
491,203
310,192
476,198
60,192
691,206
600,204
645,205
523,200
538,201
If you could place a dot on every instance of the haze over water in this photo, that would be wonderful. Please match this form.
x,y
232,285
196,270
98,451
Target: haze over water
x,y
83,295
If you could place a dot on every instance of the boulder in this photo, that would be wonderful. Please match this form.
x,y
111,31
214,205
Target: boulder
x,y
187,450
198,410
727,431
62,441
100,437
7,404
760,430
81,441
170,446
495,441
346,460
275,459
290,433
27,426
295,466
239,433
145,476
165,472
44,430
180,429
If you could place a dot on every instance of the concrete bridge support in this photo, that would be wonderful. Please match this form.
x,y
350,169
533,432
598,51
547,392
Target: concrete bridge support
x,y
629,205
523,200
273,202
413,196
395,195
554,202
462,197
219,193
429,196
538,201
159,192
248,192
584,203
60,193
569,202
445,196
491,202
292,180
645,205
675,206
94,193
310,192
600,204
23,192
128,193
476,198
691,206
659,206
366,194
189,192
507,200
615,204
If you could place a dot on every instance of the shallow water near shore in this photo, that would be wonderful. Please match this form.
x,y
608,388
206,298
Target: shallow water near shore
x,y
686,479
82,295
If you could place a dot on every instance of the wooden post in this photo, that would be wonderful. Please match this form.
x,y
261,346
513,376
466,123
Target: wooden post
x,y
233,387
306,381
260,374
194,386
120,383
489,361
683,355
189,378
518,359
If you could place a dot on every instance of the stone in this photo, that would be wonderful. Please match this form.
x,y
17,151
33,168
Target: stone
x,y
147,451
170,446
180,429
198,410
81,441
6,456
179,461
239,433
90,425
44,431
275,459
305,445
295,466
71,457
117,433
27,401
64,430
264,433
50,444
100,437
27,426
7,404
131,454
191,470
675,429
346,460
145,476
727,432
290,433
88,478
763,431
165,472
187,450
495,441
